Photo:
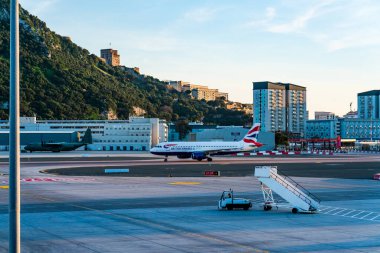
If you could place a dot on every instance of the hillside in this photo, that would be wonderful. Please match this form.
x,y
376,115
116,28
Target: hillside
x,y
60,80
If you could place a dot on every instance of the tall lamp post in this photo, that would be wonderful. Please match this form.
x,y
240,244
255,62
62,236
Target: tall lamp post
x,y
371,111
14,132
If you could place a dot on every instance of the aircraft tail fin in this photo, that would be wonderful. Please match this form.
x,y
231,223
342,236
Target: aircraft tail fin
x,y
87,138
251,136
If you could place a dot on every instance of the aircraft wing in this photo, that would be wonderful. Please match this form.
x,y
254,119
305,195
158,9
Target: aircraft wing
x,y
216,151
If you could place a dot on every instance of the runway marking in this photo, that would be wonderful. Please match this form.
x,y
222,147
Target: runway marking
x,y
339,212
366,215
185,183
357,214
332,210
4,187
166,228
350,213
54,179
48,179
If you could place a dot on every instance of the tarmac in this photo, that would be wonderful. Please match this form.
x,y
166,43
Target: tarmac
x,y
179,214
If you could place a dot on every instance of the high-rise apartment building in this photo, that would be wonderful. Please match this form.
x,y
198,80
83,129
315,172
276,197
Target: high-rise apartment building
x,y
110,56
280,107
369,105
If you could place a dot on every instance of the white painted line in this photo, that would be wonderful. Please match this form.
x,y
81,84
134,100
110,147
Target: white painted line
x,y
357,214
325,208
349,212
332,210
366,215
339,212
375,217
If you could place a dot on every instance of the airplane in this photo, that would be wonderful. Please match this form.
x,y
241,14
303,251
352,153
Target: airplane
x,y
60,146
204,150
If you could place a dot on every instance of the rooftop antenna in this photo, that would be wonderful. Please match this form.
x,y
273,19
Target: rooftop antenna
x,y
110,45
351,107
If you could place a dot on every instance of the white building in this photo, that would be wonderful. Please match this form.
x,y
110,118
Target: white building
x,y
351,115
137,133
280,107
324,115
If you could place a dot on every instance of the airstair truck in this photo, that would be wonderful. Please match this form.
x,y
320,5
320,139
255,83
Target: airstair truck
x,y
229,202
298,197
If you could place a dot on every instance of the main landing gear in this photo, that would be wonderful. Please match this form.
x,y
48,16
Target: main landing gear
x,y
209,159
166,159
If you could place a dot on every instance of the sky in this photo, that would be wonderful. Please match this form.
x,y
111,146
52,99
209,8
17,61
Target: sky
x,y
332,47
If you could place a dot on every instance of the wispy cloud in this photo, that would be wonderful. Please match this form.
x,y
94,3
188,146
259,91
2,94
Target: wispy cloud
x,y
300,21
335,24
270,14
203,14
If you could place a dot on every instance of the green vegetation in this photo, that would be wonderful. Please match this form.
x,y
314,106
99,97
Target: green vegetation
x,y
182,127
281,138
60,80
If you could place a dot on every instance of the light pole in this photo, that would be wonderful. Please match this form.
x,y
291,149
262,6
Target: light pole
x,y
371,111
14,132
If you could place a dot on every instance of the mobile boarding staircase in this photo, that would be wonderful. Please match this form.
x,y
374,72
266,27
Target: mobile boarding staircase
x,y
298,197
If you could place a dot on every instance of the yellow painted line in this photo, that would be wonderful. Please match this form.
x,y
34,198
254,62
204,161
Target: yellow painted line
x,y
4,187
185,183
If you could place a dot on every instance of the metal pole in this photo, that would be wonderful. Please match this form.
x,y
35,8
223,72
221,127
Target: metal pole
x,y
14,132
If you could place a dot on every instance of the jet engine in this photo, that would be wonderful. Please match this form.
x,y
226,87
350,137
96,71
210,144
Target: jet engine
x,y
198,156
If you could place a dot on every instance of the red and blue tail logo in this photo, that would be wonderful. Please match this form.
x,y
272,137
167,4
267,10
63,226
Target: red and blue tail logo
x,y
169,145
252,135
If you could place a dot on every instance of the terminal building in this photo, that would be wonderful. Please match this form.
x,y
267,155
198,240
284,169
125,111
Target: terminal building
x,y
357,129
135,134
344,130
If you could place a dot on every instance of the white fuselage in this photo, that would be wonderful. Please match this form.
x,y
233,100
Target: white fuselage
x,y
220,147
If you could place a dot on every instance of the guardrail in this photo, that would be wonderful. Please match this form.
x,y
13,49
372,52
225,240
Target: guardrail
x,y
296,188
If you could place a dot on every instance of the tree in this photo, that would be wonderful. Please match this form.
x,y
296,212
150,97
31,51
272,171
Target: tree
x,y
182,127
281,138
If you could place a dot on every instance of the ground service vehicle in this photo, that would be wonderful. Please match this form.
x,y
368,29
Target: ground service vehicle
x,y
229,202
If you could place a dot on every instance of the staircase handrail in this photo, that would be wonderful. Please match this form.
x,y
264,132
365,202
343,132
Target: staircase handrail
x,y
300,186
292,188
297,188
